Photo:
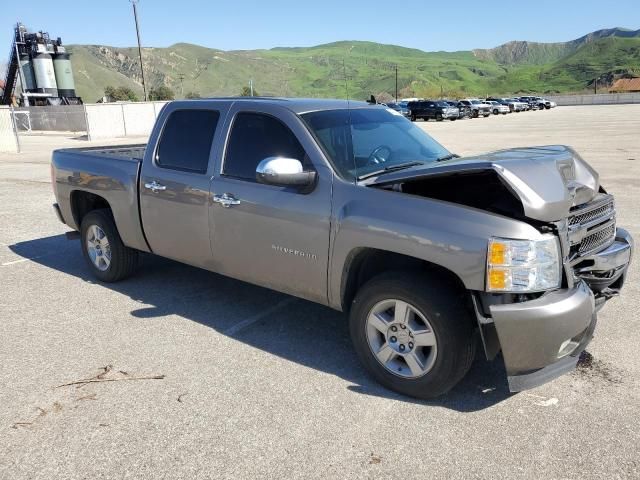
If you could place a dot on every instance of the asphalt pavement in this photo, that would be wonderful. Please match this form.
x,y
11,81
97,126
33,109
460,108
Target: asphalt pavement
x,y
214,378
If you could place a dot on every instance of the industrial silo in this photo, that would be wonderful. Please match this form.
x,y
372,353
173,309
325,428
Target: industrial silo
x,y
64,74
27,74
45,74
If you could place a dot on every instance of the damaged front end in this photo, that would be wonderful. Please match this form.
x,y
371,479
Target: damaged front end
x,y
540,334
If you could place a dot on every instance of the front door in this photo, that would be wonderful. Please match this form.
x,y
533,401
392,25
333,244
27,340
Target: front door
x,y
174,185
277,237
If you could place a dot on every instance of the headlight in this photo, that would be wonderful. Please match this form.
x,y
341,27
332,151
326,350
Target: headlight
x,y
523,265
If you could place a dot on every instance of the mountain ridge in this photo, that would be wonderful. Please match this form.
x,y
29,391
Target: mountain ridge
x,y
367,67
526,52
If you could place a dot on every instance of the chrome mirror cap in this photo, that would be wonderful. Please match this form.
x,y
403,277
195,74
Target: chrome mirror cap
x,y
284,172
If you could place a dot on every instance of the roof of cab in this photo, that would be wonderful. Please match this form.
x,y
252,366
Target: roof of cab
x,y
296,105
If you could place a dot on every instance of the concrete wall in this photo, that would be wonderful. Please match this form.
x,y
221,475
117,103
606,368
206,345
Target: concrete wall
x,y
593,99
8,138
112,120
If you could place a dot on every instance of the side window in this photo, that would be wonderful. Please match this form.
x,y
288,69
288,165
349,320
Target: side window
x,y
254,137
185,142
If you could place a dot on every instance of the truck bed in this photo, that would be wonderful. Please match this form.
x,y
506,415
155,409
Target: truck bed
x,y
110,173
134,152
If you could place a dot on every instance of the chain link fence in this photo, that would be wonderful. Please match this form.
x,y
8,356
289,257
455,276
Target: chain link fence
x,y
54,118
8,137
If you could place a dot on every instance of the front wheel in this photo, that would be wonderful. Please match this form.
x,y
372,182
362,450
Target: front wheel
x,y
412,333
108,258
438,117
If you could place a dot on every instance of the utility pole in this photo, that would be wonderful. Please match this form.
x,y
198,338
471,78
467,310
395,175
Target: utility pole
x,y
396,83
595,86
251,86
135,16
181,78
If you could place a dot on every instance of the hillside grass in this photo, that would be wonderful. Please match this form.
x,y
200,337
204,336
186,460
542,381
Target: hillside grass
x,y
367,67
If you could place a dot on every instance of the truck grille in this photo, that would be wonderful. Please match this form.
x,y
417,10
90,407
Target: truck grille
x,y
592,226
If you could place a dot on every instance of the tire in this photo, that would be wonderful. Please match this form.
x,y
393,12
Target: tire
x,y
504,113
453,119
114,261
448,325
485,115
495,111
476,114
413,118
438,117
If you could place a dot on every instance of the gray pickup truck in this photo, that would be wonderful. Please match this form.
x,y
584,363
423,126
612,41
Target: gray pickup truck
x,y
352,206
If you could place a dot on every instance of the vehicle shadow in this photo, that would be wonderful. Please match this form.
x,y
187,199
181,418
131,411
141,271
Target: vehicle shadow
x,y
297,330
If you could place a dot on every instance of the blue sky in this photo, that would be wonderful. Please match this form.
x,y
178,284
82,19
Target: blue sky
x,y
427,25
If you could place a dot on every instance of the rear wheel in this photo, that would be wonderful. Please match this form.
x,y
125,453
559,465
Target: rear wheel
x,y
412,333
108,258
413,117
495,111
438,117
476,114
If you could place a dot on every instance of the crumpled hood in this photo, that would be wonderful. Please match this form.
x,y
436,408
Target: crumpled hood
x,y
548,180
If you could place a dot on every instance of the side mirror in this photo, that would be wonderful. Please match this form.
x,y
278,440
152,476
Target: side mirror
x,y
285,172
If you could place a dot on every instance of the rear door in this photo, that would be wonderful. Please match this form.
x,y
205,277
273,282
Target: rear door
x,y
175,180
277,237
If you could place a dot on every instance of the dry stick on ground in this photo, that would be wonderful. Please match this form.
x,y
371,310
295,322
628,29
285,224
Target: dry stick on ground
x,y
100,380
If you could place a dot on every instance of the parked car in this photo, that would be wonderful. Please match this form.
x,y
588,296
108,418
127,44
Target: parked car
x,y
536,103
353,206
511,104
517,105
497,107
436,109
399,107
477,107
463,110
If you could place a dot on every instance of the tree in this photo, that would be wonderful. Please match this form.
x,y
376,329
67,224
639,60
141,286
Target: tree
x,y
120,94
161,93
190,95
246,92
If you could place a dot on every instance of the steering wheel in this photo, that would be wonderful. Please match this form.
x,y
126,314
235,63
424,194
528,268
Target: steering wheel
x,y
380,154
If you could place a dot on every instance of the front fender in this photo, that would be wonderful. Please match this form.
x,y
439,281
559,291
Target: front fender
x,y
446,234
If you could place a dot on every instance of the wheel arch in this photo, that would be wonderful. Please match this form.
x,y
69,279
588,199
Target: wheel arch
x,y
364,263
83,202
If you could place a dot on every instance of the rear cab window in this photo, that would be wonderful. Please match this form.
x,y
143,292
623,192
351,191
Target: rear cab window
x,y
185,141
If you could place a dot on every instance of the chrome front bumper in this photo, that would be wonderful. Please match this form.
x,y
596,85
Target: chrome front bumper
x,y
541,339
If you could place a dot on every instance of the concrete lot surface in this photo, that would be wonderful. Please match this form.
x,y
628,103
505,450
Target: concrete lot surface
x,y
255,384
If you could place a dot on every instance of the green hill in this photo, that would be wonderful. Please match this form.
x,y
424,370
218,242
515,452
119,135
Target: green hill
x,y
535,53
368,67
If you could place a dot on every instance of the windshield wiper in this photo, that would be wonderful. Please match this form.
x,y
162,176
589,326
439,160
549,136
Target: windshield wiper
x,y
390,168
451,156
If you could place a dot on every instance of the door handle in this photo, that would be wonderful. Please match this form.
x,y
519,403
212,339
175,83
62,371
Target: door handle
x,y
155,186
226,200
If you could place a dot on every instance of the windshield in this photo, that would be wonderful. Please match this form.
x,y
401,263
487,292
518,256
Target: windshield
x,y
365,140
442,104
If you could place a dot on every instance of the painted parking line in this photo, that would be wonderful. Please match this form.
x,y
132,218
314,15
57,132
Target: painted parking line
x,y
238,327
